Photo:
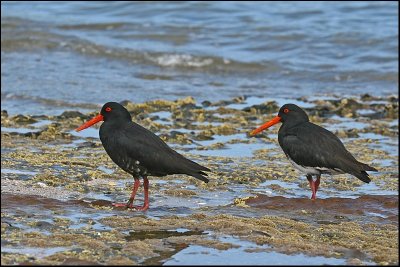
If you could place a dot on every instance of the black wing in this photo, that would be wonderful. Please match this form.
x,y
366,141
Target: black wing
x,y
313,146
155,155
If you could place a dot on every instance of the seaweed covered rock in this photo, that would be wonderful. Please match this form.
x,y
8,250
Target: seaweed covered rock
x,y
72,114
264,108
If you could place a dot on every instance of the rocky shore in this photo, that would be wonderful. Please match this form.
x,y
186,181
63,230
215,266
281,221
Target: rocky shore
x,y
57,187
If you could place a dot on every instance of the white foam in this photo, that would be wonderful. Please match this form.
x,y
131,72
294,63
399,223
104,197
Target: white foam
x,y
173,60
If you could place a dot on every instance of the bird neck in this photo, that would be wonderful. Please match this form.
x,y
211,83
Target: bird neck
x,y
113,125
288,124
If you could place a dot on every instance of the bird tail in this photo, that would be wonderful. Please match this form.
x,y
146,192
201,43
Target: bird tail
x,y
199,175
194,169
361,173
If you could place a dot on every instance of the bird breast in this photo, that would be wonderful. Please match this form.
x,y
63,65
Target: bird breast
x,y
119,155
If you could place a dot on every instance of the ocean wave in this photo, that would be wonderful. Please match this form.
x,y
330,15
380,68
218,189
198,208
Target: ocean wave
x,y
181,60
19,35
8,96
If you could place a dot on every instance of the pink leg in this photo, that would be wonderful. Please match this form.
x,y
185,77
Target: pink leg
x,y
313,186
317,183
132,198
146,195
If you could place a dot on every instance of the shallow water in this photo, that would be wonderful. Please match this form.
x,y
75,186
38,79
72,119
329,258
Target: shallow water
x,y
19,172
76,54
37,252
194,254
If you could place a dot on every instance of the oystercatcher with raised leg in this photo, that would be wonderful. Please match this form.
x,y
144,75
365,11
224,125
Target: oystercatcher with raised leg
x,y
138,151
312,149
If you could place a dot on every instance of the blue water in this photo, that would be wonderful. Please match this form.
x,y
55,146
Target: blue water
x,y
195,254
57,56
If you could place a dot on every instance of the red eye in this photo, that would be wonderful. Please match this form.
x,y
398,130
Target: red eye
x,y
108,109
286,110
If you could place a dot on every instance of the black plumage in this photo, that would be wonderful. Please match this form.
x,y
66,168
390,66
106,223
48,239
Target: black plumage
x,y
312,149
140,152
137,150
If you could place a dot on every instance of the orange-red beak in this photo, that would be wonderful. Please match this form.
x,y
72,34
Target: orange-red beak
x,y
90,123
266,125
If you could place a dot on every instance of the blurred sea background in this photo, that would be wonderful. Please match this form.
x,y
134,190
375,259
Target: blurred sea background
x,y
62,55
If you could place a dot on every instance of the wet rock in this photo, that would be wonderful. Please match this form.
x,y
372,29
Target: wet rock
x,y
224,129
185,101
349,103
199,115
43,225
251,118
348,108
101,203
235,100
341,217
155,118
76,262
277,188
189,106
385,131
125,103
222,103
4,114
121,261
176,134
265,108
87,144
52,132
239,99
43,117
133,108
49,179
203,137
14,259
393,98
23,119
206,103
329,235
349,133
241,202
392,111
323,110
217,145
354,262
72,114
368,97
337,206
180,192
176,137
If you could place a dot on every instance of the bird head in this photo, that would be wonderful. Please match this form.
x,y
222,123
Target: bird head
x,y
288,114
111,111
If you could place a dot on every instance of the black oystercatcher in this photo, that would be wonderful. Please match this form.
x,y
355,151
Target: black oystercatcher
x,y
138,151
312,149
